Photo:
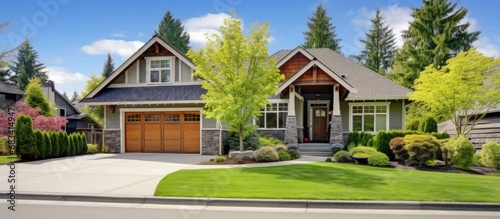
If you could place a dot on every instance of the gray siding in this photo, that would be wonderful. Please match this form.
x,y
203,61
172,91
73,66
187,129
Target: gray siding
x,y
61,103
344,111
186,72
176,69
208,123
132,74
396,115
142,71
112,119
120,79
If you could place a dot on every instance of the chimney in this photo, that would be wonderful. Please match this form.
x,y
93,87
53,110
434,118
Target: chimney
x,y
48,90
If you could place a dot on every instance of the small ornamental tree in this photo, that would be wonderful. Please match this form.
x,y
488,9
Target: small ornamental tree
x,y
40,144
238,75
35,98
48,145
40,122
25,138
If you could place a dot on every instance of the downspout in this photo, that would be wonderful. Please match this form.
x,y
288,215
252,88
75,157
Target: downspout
x,y
220,137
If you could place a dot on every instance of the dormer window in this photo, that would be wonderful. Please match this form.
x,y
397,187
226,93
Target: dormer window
x,y
160,69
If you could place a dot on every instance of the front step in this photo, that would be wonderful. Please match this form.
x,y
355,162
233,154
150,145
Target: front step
x,y
311,149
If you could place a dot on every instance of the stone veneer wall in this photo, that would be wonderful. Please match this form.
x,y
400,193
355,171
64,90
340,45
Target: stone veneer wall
x,y
336,132
278,134
210,140
112,139
291,130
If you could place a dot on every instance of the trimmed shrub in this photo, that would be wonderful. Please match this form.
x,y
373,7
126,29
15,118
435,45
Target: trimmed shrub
x,y
63,144
490,155
26,147
40,144
48,145
428,125
266,154
378,159
4,146
343,156
397,145
294,154
460,152
441,135
352,138
412,124
420,148
280,148
336,148
283,155
364,138
56,149
105,149
250,142
381,143
219,159
267,140
92,148
351,146
84,143
362,150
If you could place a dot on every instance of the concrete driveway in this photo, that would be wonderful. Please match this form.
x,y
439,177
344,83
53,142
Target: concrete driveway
x,y
98,174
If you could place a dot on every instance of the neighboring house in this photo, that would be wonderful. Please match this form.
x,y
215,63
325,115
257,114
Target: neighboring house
x,y
9,94
486,130
152,101
77,121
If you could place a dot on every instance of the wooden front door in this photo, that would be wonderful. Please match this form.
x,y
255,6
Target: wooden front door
x,y
320,121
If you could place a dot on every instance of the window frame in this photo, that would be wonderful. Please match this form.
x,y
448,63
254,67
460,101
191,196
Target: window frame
x,y
362,114
277,111
149,69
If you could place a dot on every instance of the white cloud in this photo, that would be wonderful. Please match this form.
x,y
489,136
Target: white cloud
x,y
123,48
197,27
66,81
395,17
120,35
484,46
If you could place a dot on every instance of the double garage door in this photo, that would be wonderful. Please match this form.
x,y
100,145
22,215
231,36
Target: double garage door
x,y
177,132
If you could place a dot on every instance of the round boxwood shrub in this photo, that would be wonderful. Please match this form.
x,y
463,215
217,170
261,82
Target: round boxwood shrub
x,y
362,150
294,154
490,155
284,155
342,156
461,152
378,159
280,148
266,154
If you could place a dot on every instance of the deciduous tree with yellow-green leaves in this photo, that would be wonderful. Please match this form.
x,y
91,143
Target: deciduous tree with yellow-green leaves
x,y
463,90
237,73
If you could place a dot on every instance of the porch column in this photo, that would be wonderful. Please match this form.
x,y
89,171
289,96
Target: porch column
x,y
336,132
291,120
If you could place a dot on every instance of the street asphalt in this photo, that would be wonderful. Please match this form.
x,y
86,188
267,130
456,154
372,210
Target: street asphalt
x,y
133,177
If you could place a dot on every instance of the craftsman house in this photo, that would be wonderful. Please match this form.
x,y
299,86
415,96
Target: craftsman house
x,y
152,101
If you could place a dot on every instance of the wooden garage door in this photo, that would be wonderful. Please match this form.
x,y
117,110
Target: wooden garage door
x,y
162,132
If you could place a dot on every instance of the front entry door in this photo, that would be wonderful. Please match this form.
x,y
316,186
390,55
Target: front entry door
x,y
320,120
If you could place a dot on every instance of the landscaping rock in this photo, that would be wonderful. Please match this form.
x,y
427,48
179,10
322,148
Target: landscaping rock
x,y
241,155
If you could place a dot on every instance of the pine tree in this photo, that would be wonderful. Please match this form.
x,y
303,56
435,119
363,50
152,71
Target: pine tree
x,y
65,95
109,67
27,67
171,30
34,97
380,46
321,33
436,34
74,97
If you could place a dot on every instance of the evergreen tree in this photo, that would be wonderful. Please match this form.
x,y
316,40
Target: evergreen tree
x,y
171,30
27,67
35,97
109,67
380,46
74,97
436,34
48,145
65,95
26,147
321,33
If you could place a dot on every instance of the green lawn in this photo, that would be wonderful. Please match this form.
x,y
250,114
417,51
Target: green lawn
x,y
330,181
5,159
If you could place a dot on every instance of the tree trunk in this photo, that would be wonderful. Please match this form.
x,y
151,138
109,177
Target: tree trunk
x,y
241,139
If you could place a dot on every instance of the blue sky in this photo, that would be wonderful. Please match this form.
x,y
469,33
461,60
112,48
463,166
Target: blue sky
x,y
72,37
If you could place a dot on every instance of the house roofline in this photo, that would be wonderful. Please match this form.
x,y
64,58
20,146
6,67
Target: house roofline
x,y
376,98
142,102
292,53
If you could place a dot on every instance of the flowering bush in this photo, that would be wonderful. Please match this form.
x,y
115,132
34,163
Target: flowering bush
x,y
40,122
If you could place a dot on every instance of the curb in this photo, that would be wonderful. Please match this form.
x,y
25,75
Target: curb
x,y
276,203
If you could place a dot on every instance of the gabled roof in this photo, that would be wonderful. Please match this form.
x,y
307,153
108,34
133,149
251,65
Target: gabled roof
x,y
154,39
369,85
7,88
148,95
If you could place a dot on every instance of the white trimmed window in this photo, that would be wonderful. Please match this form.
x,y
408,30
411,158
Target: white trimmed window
x,y
273,116
160,69
369,117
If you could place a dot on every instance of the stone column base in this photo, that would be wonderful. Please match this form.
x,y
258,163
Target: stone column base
x,y
336,135
291,130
